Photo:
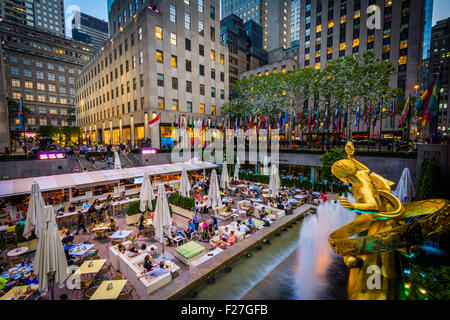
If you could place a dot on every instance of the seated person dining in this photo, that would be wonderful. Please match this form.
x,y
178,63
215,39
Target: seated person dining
x,y
243,228
131,253
60,211
112,225
31,279
174,232
230,241
94,224
68,238
263,214
86,205
156,272
251,224
72,208
189,229
148,263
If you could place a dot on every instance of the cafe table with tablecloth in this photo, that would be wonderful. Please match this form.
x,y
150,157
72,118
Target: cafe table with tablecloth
x,y
103,293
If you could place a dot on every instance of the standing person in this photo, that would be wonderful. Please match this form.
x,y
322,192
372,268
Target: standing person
x,y
81,223
196,219
94,166
141,226
324,197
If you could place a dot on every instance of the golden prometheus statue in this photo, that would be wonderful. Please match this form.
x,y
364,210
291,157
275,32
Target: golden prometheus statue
x,y
384,229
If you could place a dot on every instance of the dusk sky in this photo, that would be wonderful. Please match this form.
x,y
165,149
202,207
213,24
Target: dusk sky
x,y
97,8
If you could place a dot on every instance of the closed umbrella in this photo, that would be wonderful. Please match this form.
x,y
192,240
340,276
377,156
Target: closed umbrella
x,y
146,195
185,186
214,199
162,219
224,179
50,263
117,164
274,184
35,207
266,166
236,170
405,188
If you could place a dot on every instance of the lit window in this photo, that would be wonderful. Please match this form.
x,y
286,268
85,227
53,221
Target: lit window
x,y
402,60
355,42
202,108
213,55
222,59
159,56
173,38
173,61
342,46
158,32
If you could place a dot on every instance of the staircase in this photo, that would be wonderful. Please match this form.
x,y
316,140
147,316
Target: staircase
x,y
134,160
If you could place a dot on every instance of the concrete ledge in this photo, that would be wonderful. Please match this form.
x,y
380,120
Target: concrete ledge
x,y
193,277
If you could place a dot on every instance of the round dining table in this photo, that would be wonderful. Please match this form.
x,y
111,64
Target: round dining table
x,y
17,252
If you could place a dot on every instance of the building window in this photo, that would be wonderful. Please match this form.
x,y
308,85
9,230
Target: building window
x,y
213,110
222,59
142,80
173,13
28,73
187,21
173,38
188,44
189,86
189,65
174,83
189,106
201,50
213,55
202,70
213,92
160,102
160,80
200,6
15,83
201,28
159,56
202,108
222,94
158,32
213,34
173,61
175,105
202,89
141,57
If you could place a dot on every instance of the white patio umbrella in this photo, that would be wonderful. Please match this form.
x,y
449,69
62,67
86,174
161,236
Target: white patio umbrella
x,y
214,199
224,179
274,184
162,219
266,171
236,172
50,262
185,185
35,207
405,188
117,164
146,195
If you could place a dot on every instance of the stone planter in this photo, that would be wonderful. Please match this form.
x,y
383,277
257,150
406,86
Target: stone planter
x,y
182,212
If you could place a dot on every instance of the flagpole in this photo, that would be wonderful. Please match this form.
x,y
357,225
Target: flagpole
x,y
381,125
409,122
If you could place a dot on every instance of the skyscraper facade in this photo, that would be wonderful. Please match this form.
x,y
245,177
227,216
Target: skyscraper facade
x,y
440,62
89,30
244,42
41,69
46,15
165,60
273,16
393,30
295,22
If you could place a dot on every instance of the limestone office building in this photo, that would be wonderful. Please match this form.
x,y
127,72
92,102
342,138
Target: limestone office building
x,y
164,58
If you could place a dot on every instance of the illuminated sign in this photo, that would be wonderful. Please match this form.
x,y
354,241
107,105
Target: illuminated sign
x,y
51,156
149,151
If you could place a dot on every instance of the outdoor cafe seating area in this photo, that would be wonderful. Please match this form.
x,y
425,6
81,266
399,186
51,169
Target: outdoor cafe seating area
x,y
114,260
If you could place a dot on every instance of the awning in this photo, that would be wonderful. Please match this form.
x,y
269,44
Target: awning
x,y
23,186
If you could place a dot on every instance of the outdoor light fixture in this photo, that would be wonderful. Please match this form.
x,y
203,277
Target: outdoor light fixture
x,y
149,151
51,156
154,9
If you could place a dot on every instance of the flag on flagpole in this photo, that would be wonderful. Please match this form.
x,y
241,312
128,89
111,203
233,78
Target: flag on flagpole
x,y
377,112
367,114
155,122
285,122
432,106
20,115
357,116
345,117
309,120
405,115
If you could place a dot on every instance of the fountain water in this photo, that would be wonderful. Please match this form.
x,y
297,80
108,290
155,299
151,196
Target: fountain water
x,y
315,253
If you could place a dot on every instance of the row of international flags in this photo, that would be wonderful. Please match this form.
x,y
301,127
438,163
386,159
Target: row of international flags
x,y
312,121
316,120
